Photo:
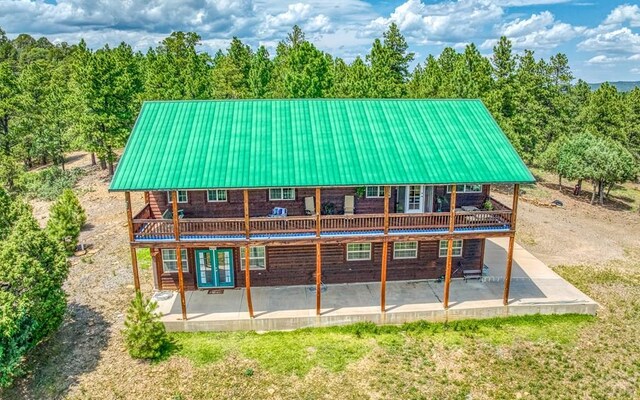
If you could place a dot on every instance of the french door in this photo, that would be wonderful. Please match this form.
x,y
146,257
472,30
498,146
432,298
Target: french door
x,y
419,199
214,268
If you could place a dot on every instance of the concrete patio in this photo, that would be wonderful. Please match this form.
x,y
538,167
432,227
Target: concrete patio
x,y
534,289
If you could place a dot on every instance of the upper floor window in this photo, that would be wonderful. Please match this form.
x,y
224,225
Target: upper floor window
x,y
466,188
257,257
358,251
374,192
183,197
282,194
456,251
216,195
170,260
405,250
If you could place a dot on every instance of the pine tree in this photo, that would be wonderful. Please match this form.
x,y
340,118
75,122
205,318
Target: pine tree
x,y
66,220
389,63
145,336
260,71
32,302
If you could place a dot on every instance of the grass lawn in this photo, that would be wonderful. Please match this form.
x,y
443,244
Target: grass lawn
x,y
548,357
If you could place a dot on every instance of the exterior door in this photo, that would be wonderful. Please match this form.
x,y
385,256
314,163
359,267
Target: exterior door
x,y
414,199
224,267
214,268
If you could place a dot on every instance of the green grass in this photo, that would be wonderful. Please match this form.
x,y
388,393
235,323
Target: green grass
x,y
334,348
144,258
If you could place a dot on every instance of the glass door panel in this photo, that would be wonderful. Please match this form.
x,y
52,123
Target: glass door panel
x,y
415,199
224,263
204,268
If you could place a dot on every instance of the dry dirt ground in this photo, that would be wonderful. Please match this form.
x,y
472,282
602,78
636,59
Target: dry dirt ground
x,y
88,351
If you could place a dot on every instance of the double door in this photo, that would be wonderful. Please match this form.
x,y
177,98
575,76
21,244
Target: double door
x,y
214,268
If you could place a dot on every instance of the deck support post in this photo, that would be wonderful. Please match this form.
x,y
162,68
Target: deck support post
x,y
385,252
452,223
247,251
134,255
318,255
176,234
512,239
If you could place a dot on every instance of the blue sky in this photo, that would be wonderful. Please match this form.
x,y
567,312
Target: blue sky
x,y
601,38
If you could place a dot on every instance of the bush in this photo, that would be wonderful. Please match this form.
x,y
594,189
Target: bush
x,y
144,335
66,219
49,183
33,267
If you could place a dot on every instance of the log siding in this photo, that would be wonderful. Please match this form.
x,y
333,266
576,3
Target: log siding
x,y
295,265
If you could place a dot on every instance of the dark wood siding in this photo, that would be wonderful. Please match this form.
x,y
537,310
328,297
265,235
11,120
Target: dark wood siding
x,y
295,265
198,207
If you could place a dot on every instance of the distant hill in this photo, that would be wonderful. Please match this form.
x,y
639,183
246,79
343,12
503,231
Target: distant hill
x,y
623,86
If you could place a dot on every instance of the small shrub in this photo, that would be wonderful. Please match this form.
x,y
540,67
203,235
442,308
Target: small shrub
x,y
66,220
49,183
145,336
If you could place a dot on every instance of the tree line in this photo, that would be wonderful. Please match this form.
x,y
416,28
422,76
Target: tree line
x,y
57,97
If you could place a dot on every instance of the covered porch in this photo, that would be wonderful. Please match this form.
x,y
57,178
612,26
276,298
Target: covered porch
x,y
534,289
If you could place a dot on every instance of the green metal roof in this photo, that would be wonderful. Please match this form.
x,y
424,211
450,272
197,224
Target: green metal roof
x,y
329,142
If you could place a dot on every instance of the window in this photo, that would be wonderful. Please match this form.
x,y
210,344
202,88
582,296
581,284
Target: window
x,y
216,195
170,261
358,251
466,188
282,194
405,250
457,248
257,257
182,196
375,192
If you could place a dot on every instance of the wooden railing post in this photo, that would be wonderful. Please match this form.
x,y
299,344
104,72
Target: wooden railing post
x,y
318,255
176,234
452,220
247,250
134,255
507,277
385,251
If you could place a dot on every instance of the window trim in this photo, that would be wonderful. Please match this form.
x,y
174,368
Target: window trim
x,y
186,195
453,248
370,251
217,200
281,189
465,188
395,257
380,194
185,261
252,258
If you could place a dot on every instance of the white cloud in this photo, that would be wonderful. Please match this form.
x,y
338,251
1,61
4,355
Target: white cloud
x,y
635,57
539,31
299,13
602,59
619,41
635,70
623,14
521,3
448,21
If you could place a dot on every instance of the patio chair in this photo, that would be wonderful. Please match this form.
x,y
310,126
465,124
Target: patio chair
x,y
309,206
278,212
349,208
168,214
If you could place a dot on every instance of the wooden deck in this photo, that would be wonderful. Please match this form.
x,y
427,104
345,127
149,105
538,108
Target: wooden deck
x,y
146,227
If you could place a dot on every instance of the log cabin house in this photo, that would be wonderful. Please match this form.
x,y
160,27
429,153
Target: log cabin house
x,y
313,192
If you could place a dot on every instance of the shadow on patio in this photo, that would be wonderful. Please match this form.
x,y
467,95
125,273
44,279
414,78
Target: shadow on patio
x,y
533,284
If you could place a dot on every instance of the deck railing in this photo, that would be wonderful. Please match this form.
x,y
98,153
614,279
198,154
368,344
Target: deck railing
x,y
145,227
